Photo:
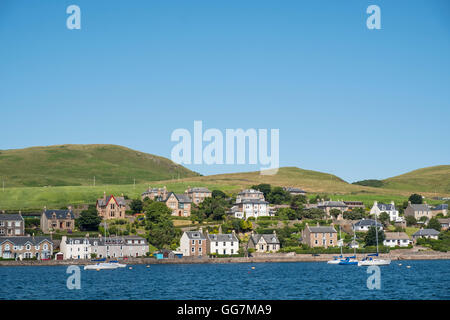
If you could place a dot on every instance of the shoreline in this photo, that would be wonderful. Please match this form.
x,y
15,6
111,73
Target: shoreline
x,y
261,258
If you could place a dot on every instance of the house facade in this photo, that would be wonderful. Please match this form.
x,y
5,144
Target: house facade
x,y
249,194
180,204
11,225
109,247
327,206
396,239
440,209
426,234
445,223
320,236
222,243
198,194
365,224
26,248
111,207
354,204
193,244
52,220
264,243
390,209
418,211
250,208
158,194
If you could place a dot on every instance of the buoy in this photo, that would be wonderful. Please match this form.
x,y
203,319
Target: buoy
x,y
253,268
408,267
97,269
131,268
399,264
148,266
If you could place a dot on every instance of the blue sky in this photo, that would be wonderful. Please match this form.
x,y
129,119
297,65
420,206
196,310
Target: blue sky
x,y
347,100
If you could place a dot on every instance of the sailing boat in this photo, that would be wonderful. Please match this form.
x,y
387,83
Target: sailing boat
x,y
369,261
104,265
348,261
337,259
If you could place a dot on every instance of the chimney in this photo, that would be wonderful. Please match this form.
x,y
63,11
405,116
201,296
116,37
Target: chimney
x,y
318,224
45,208
392,202
274,233
201,230
409,202
20,212
233,232
70,208
104,195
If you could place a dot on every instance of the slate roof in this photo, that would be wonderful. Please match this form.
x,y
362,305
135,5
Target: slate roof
x,y
322,229
102,202
420,207
5,216
367,222
60,214
293,189
251,191
101,241
386,207
253,201
223,237
199,189
443,206
269,238
331,204
20,241
396,236
444,221
195,235
426,232
181,197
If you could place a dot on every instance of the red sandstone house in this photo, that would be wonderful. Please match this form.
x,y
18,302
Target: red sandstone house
x,y
198,194
158,194
111,207
320,236
180,204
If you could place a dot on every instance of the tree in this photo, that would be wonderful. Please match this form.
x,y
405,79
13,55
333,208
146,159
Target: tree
x,y
278,196
214,208
136,205
287,213
218,194
335,213
355,214
263,187
162,232
89,219
410,221
298,201
434,224
384,218
371,235
415,198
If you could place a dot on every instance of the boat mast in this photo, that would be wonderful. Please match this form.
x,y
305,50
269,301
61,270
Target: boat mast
x,y
340,239
376,228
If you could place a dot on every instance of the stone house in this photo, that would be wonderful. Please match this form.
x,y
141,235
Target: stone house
x,y
445,223
440,209
193,244
264,242
158,194
180,204
52,220
26,248
320,236
111,207
198,194
418,211
12,225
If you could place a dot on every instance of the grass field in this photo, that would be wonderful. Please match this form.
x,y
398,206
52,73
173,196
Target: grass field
x,y
76,165
22,198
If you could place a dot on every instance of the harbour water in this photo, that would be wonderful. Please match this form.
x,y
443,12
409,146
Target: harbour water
x,y
423,280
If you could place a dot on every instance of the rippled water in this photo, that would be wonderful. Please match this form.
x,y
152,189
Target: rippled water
x,y
300,280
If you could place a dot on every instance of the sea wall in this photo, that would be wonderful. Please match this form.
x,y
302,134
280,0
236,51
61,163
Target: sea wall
x,y
278,257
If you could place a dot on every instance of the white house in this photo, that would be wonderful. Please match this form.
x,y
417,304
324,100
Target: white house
x,y
390,209
365,224
426,233
75,248
250,208
396,239
223,243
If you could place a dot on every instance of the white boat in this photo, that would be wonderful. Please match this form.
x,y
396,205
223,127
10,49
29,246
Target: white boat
x,y
369,261
119,265
101,266
341,260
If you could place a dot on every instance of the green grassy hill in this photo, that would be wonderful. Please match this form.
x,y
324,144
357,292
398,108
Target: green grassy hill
x,y
430,179
76,165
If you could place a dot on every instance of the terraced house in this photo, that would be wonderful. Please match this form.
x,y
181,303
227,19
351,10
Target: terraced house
x,y
26,248
111,207
222,243
52,220
12,225
193,244
180,204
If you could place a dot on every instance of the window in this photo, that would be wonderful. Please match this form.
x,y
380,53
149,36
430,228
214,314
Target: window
x,y
200,249
316,242
199,241
331,241
17,223
192,249
193,242
28,247
224,243
17,231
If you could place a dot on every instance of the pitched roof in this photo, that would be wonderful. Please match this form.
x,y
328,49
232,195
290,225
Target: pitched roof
x,y
444,221
322,229
420,207
60,214
443,206
253,201
7,216
293,189
181,197
367,222
119,200
396,236
386,207
199,189
195,235
101,241
426,232
269,238
222,237
20,241
331,204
